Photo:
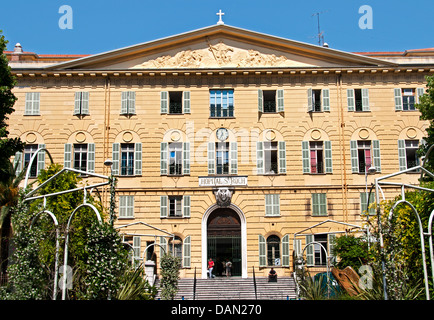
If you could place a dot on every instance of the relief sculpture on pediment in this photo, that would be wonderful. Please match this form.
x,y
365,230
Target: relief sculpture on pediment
x,y
218,55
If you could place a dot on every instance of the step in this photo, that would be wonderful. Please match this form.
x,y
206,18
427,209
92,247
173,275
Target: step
x,y
235,288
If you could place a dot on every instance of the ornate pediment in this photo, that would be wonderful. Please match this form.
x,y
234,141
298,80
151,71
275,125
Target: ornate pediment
x,y
219,55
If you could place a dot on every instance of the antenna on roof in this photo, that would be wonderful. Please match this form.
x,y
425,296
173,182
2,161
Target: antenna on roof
x,y
320,33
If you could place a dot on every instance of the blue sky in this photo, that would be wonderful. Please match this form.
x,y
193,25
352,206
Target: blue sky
x,y
99,26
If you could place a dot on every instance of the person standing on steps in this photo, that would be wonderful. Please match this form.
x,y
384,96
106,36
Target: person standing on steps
x,y
228,268
210,267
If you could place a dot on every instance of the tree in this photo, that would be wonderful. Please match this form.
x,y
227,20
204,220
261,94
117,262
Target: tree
x,y
8,146
351,251
426,108
170,266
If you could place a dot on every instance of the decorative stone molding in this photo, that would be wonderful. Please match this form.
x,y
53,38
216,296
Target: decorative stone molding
x,y
223,196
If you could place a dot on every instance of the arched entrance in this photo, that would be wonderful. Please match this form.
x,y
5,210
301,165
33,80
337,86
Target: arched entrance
x,y
224,237
224,240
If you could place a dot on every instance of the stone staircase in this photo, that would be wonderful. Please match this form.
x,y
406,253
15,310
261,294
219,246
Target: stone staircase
x,y
235,288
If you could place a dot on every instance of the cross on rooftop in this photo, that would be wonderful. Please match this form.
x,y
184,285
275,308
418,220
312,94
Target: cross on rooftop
x,y
220,14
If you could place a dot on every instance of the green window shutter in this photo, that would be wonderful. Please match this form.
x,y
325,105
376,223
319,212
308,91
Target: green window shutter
x,y
164,102
163,206
36,102
310,252
325,100
297,247
351,101
136,251
41,159
401,155
186,158
309,100
260,157
328,157
419,93
186,101
262,251
260,101
280,101
365,99
363,200
138,159
234,157
331,238
305,156
85,103
67,155
319,204
186,255
163,247
285,251
377,156
354,156
124,102
211,158
282,157
126,206
132,102
18,162
29,103
115,158
77,103
91,157
398,99
186,210
163,157
268,205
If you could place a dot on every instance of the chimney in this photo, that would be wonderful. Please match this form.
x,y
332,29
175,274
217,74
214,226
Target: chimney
x,y
17,52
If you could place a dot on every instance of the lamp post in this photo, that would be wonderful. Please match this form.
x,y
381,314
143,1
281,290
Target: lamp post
x,y
371,170
109,163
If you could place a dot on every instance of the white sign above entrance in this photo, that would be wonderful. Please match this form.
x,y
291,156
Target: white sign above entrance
x,y
222,181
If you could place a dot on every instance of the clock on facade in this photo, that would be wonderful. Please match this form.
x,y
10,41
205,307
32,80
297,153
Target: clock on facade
x,y
222,134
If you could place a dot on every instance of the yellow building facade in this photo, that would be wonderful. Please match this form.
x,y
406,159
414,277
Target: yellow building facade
x,y
226,142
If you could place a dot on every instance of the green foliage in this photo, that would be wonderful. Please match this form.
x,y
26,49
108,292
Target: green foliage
x,y
135,287
351,251
28,278
8,146
105,263
170,266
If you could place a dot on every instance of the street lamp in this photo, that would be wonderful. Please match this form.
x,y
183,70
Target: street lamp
x,y
371,170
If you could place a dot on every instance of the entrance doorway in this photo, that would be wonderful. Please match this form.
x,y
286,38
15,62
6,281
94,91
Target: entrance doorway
x,y
224,240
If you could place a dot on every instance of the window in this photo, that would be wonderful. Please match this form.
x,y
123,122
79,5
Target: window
x,y
175,102
318,100
317,157
174,158
270,101
365,154
80,156
271,157
407,151
32,104
127,159
272,205
126,206
81,103
175,206
319,204
364,205
128,103
316,253
222,158
406,98
358,99
273,250
175,247
221,103
29,151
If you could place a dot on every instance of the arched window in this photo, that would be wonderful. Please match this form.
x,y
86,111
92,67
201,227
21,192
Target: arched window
x,y
273,250
175,247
